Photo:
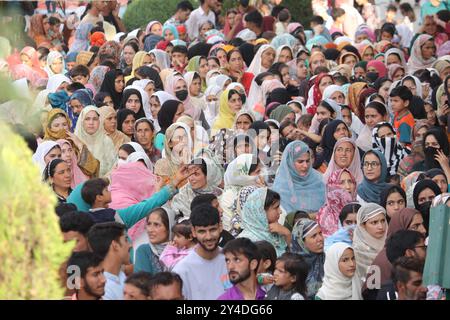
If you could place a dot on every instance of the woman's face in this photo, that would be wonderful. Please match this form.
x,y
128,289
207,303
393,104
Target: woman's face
x,y
230,18
197,178
204,29
222,56
144,134
394,204
59,123
128,125
128,55
285,55
110,123
398,74
344,154
273,212
360,72
441,181
376,226
91,122
325,82
385,132
428,50
123,154
431,141
372,117
368,54
411,85
107,101
372,167
341,132
431,114
243,123
54,153
235,103
119,84
285,75
179,113
66,153
350,60
154,106
302,164
268,58
393,58
347,116
318,61
156,29
26,60
180,85
133,103
421,133
57,66
195,87
236,62
322,113
347,263
203,68
346,182
384,90
429,26
425,195
150,89
179,137
338,97
302,70
147,60
212,64
262,139
314,242
62,177
156,231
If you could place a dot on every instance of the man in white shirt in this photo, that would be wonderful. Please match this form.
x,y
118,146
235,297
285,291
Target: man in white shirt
x,y
94,12
203,271
199,16
108,240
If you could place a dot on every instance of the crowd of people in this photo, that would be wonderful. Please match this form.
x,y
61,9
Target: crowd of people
x,y
239,155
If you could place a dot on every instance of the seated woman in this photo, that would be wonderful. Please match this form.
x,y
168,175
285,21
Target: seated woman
x,y
58,174
308,241
205,177
69,156
375,172
46,151
230,105
301,187
260,216
125,122
170,112
109,118
243,171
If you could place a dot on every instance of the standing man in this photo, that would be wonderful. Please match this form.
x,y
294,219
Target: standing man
x,y
199,16
203,271
242,259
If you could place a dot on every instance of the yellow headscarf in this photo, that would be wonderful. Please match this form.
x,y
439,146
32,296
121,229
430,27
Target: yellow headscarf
x,y
61,134
138,61
226,116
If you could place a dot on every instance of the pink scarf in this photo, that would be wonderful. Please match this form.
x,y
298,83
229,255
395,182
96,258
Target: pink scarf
x,y
77,175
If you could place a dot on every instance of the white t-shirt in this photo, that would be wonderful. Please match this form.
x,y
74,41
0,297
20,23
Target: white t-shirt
x,y
114,286
196,19
203,279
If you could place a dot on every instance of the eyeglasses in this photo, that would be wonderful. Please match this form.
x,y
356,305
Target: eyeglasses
x,y
372,164
424,247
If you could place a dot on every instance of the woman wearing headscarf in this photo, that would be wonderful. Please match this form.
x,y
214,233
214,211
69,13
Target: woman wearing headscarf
x,y
423,191
282,113
141,58
55,64
237,71
369,237
212,97
44,154
243,171
341,190
434,141
345,156
230,105
30,57
205,178
113,84
256,223
396,72
170,32
178,145
375,172
335,130
307,240
161,58
70,157
125,122
90,131
339,283
385,141
301,187
321,82
378,67
132,99
80,98
263,60
354,94
81,42
108,117
422,53
169,113
36,30
97,76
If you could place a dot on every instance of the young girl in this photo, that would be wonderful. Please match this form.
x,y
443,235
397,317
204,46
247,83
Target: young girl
x,y
266,265
290,275
181,245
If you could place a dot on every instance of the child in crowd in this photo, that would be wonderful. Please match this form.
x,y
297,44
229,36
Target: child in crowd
x,y
181,245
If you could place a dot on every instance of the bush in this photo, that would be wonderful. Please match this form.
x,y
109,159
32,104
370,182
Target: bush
x,y
300,10
140,12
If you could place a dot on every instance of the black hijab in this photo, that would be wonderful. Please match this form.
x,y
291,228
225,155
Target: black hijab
x,y
422,185
328,141
430,152
147,72
122,114
126,95
199,49
278,95
247,51
166,114
391,188
109,87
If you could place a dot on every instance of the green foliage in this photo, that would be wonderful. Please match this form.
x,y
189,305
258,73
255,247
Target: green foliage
x,y
31,243
140,12
300,10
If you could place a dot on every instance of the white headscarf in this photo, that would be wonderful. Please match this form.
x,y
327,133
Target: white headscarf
x,y
335,285
139,152
42,150
237,173
417,83
162,58
256,66
55,81
330,90
416,60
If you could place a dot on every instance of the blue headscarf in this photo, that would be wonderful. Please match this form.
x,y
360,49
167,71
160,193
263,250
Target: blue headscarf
x,y
59,99
151,41
370,191
305,193
172,28
316,41
85,97
255,224
285,39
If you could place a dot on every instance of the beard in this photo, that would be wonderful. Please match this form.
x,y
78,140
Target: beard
x,y
242,277
88,289
208,249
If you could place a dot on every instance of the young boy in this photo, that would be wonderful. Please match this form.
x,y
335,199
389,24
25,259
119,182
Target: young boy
x,y
400,99
179,58
80,74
